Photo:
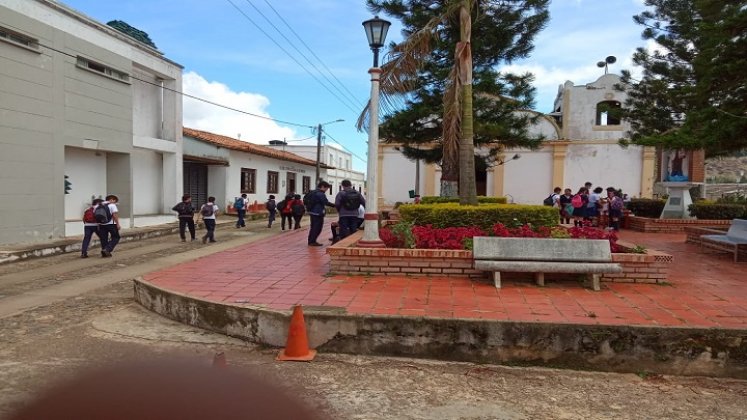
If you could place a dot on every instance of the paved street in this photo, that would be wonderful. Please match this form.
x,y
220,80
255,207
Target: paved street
x,y
66,322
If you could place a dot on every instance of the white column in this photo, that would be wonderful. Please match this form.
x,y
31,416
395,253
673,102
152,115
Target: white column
x,y
371,220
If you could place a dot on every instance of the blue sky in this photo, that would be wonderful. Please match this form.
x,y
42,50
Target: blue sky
x,y
229,60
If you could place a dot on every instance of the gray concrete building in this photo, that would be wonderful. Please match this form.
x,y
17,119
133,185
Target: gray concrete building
x,y
83,103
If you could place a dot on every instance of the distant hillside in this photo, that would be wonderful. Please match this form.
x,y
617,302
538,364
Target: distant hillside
x,y
726,170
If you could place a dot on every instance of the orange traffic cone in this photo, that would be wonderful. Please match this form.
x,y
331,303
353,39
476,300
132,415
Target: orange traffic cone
x,y
219,360
297,346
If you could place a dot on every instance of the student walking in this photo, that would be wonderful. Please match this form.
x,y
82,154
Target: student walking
x,y
286,213
240,206
297,211
272,208
90,227
107,215
316,201
616,206
347,203
208,211
186,214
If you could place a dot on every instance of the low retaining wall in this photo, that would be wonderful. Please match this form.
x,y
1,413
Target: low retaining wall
x,y
669,350
346,258
647,224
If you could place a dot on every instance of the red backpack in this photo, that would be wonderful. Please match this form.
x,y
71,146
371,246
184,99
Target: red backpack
x,y
88,216
288,207
577,201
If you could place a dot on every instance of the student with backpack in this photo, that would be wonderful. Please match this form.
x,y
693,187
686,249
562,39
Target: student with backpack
x,y
347,203
107,216
90,227
240,206
315,202
208,211
579,202
298,209
186,215
566,209
552,199
286,213
616,206
271,208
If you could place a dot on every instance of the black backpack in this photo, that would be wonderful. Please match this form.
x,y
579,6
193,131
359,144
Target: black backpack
x,y
102,213
351,200
549,201
308,200
207,210
270,205
298,209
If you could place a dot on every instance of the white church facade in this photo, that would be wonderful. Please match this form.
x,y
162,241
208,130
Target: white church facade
x,y
581,145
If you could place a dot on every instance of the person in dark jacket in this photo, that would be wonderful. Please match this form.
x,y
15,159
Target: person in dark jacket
x,y
271,207
297,210
284,207
317,202
186,214
347,203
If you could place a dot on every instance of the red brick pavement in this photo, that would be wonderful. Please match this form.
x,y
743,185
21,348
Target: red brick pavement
x,y
703,290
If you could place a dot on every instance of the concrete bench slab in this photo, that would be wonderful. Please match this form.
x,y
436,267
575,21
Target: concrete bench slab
x,y
734,240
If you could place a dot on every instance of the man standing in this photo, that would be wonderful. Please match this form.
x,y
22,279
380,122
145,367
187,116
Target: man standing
x,y
347,203
315,202
107,215
240,206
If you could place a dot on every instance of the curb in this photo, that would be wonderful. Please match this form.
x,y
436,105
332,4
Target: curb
x,y
614,348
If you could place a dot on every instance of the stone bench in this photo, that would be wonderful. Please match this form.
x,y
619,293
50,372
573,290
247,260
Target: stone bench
x,y
734,240
544,255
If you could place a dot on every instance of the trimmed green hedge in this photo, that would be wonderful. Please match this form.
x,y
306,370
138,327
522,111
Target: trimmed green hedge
x,y
484,215
709,210
480,199
647,207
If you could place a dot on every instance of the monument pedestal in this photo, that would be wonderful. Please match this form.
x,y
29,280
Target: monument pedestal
x,y
678,201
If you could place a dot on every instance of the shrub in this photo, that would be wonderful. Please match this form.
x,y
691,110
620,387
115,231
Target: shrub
x,y
709,210
428,237
483,216
646,207
480,199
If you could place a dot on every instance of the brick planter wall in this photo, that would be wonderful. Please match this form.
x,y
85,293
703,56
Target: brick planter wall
x,y
646,224
346,258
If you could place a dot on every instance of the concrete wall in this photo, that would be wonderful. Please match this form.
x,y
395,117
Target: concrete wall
x,y
147,169
54,106
604,165
528,180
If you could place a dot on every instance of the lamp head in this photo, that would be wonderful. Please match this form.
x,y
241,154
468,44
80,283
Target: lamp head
x,y
376,30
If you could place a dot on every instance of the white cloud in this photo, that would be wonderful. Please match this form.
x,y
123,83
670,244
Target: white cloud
x,y
204,116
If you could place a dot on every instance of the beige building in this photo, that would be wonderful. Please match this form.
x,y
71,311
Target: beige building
x,y
581,144
83,113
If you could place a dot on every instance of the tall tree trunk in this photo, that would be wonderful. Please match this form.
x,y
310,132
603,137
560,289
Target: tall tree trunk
x,y
449,180
467,187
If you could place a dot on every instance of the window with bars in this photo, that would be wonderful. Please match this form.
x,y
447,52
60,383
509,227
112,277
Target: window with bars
x,y
13,37
306,184
248,181
107,71
272,182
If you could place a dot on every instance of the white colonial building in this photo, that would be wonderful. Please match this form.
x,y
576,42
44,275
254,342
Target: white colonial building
x,y
581,144
225,168
84,113
339,162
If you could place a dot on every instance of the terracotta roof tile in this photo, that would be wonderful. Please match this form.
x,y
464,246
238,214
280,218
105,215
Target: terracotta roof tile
x,y
243,146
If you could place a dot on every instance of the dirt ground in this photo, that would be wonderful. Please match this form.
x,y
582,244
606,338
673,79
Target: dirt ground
x,y
97,326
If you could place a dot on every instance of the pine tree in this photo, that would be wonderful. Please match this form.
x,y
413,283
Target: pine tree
x,y
693,93
445,69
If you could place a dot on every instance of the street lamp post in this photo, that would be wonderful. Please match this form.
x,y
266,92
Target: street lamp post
x,y
376,30
319,147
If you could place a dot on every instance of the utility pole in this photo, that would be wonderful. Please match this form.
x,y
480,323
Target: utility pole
x,y
318,152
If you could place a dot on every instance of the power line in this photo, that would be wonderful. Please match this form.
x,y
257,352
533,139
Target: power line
x,y
352,95
290,56
195,97
302,54
343,147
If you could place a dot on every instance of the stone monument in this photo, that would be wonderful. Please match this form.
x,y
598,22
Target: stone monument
x,y
680,170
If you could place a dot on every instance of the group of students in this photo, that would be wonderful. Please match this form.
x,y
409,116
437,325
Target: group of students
x,y
186,214
101,218
588,205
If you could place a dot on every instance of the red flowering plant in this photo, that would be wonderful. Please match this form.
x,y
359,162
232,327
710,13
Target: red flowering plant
x,y
428,237
588,232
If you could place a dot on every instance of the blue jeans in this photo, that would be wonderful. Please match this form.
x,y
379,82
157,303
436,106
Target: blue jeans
x,y
348,225
210,227
88,232
240,221
316,224
109,237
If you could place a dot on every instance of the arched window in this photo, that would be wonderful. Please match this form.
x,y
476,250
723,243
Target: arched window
x,y
606,114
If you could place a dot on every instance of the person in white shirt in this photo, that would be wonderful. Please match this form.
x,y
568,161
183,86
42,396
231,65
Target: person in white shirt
x,y
208,211
110,230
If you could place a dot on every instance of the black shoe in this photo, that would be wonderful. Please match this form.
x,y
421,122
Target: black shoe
x,y
184,240
106,254
315,244
84,255
212,242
